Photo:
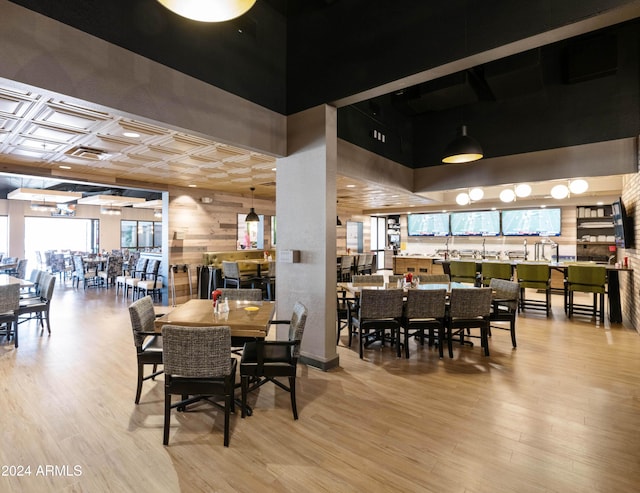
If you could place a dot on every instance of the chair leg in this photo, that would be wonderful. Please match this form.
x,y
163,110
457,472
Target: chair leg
x,y
139,388
245,388
513,332
360,342
292,391
227,409
167,417
15,332
602,307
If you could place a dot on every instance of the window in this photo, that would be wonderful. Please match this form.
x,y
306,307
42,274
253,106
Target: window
x,y
250,235
140,234
4,237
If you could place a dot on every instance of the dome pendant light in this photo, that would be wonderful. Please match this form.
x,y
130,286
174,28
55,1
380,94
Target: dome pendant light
x,y
208,10
463,149
252,217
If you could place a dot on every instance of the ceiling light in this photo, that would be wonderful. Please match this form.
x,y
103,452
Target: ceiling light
x,y
463,149
110,211
208,11
62,166
157,213
193,186
559,192
43,207
523,190
338,222
350,186
476,194
578,186
252,217
133,135
37,195
462,198
507,195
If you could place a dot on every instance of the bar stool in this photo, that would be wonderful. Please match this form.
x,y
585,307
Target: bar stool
x,y
463,271
587,279
534,276
496,270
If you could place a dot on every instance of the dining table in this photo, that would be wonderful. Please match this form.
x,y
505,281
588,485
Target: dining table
x,y
247,319
6,279
357,288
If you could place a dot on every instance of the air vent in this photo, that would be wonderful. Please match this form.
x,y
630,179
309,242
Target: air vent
x,y
88,153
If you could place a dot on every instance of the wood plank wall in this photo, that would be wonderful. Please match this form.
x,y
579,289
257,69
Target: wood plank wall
x,y
628,292
197,225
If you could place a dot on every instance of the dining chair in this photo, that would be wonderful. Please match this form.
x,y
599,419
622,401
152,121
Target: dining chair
x,y
232,277
368,280
591,279
152,284
147,341
269,281
198,363
346,266
424,311
152,268
469,309
137,268
39,307
535,276
9,304
360,263
21,269
266,361
379,311
504,305
344,306
243,294
463,271
394,278
112,270
497,270
434,278
368,263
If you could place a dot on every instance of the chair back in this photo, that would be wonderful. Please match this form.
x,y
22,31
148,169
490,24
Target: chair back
x,y
462,271
79,267
434,278
57,263
296,327
196,352
508,292
114,266
153,266
140,266
271,272
9,298
425,303
48,283
368,280
495,270
587,278
533,275
243,294
470,303
381,304
230,269
21,269
142,315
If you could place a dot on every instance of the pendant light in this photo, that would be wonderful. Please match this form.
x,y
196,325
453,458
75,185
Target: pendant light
x,y
463,149
338,222
252,217
208,10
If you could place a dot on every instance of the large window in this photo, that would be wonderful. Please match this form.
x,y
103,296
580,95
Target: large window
x,y
140,234
4,237
250,235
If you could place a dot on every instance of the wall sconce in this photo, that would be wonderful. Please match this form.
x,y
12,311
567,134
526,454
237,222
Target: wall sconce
x,y
465,198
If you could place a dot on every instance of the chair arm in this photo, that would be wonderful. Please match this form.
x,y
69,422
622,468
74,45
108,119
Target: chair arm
x,y
144,333
280,322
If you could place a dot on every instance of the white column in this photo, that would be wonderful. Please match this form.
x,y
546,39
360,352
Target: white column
x,y
306,221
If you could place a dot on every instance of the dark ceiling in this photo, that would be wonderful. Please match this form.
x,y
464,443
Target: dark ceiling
x,y
292,55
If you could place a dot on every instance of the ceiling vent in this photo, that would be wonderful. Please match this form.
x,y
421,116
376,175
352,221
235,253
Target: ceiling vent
x,y
88,153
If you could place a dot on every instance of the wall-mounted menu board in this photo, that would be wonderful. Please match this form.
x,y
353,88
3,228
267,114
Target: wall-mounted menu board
x,y
475,223
531,222
428,224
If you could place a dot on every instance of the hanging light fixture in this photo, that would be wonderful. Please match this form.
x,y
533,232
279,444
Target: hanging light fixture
x,y
207,10
252,217
338,222
463,149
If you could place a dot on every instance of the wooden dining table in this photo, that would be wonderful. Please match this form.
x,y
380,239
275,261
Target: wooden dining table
x,y
248,319
356,289
6,279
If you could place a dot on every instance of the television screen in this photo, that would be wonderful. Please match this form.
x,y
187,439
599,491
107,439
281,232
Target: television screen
x,y
475,223
428,224
531,222
622,225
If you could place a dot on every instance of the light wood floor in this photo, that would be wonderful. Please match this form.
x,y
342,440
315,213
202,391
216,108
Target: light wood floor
x,y
561,413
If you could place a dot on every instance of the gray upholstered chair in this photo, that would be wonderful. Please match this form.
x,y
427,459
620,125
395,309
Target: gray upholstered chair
x,y
434,278
424,311
198,363
379,311
111,271
367,279
137,268
151,285
149,273
148,342
41,306
264,361
244,294
231,276
9,303
506,295
21,269
469,308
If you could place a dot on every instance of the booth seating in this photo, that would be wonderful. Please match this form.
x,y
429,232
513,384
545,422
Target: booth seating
x,y
213,262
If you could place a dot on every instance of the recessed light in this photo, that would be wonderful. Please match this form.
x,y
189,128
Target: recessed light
x,y
62,166
192,186
600,203
133,135
273,169
351,186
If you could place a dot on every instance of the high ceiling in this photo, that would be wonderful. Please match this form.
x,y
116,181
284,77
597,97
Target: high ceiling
x,y
361,55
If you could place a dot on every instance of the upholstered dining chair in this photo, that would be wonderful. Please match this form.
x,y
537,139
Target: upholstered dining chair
x,y
368,279
265,361
434,278
40,307
497,270
469,308
244,294
152,284
504,305
269,280
379,311
112,270
198,363
425,311
137,268
231,276
153,266
9,303
463,271
344,306
147,341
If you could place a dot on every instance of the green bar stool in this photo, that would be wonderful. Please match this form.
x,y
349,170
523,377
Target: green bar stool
x,y
587,279
534,276
496,270
463,271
